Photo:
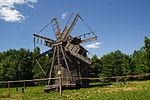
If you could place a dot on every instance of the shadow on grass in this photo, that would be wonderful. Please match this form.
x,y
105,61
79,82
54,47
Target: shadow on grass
x,y
5,96
89,86
99,85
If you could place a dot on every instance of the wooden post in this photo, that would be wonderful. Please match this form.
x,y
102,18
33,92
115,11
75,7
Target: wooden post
x,y
117,80
125,80
9,85
24,84
16,89
60,87
22,90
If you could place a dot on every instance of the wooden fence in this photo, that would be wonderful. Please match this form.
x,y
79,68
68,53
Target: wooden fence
x,y
127,76
44,79
60,80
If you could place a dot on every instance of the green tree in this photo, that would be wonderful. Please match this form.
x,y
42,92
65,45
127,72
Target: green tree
x,y
16,65
95,67
138,60
24,64
147,54
116,63
141,58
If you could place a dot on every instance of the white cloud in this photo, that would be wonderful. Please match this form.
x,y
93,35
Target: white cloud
x,y
8,11
11,15
63,16
94,45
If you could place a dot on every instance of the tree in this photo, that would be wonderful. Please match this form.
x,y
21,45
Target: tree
x,y
95,67
138,60
7,67
16,65
24,64
147,53
141,58
116,64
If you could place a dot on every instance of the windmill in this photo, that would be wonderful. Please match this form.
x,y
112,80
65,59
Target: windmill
x,y
69,57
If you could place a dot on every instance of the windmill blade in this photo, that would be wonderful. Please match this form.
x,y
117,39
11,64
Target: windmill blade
x,y
87,37
85,59
47,42
56,28
68,30
44,53
44,38
83,38
77,51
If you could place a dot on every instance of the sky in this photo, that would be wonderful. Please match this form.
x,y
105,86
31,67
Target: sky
x,y
118,24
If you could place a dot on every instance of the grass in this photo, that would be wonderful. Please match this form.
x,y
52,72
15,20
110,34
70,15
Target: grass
x,y
136,90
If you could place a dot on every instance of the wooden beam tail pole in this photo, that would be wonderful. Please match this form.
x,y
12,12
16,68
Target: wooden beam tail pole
x,y
63,52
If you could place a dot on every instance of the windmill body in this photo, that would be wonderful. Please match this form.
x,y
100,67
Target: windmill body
x,y
69,58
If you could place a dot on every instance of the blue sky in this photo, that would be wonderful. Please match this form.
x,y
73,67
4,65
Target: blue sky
x,y
119,24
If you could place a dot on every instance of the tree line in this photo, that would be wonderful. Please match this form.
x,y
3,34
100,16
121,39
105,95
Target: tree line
x,y
118,64
20,64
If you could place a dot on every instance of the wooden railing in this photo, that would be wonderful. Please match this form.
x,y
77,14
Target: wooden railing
x,y
60,80
44,79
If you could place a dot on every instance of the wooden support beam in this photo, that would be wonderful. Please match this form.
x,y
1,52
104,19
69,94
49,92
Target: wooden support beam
x,y
64,57
44,53
52,65
40,67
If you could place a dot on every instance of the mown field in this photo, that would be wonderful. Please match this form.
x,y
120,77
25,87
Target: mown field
x,y
135,90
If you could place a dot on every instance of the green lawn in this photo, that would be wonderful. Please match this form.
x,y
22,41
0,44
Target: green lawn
x,y
136,90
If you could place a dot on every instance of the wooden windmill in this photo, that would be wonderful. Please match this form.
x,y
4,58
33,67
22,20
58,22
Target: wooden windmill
x,y
69,60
